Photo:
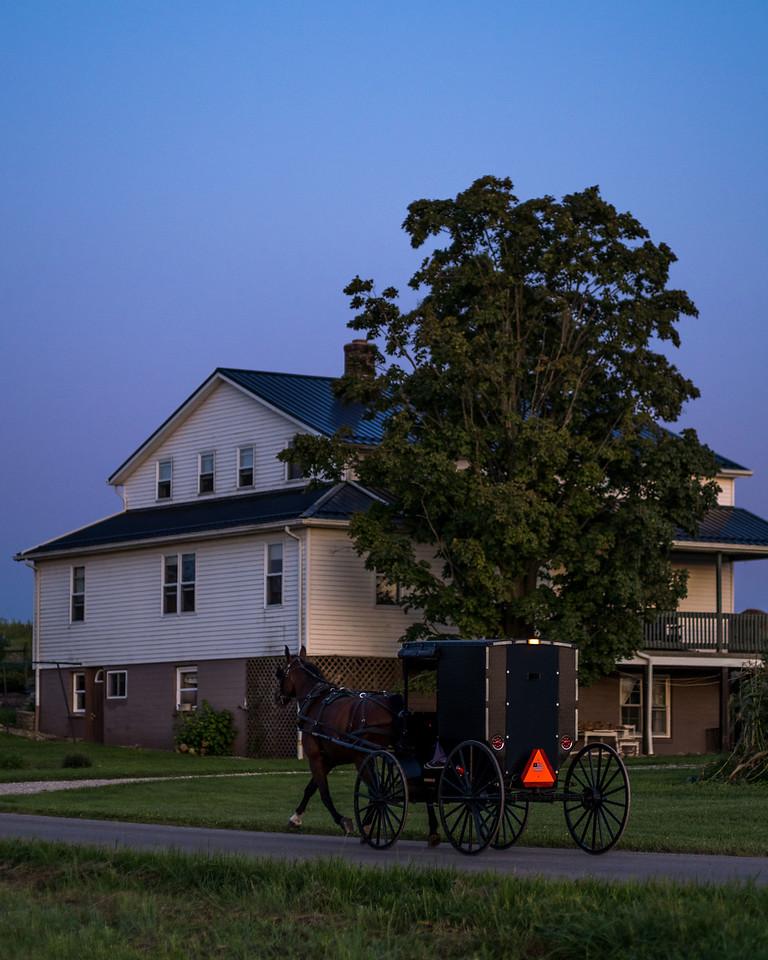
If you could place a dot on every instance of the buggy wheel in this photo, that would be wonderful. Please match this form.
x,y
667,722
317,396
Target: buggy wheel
x,y
381,800
597,798
470,796
513,821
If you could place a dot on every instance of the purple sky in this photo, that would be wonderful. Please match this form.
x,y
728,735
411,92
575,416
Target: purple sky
x,y
186,185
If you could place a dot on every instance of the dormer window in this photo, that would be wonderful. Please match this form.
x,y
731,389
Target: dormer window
x,y
205,473
164,479
245,461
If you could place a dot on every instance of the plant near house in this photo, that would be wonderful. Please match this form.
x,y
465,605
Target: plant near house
x,y
748,761
206,732
75,760
520,399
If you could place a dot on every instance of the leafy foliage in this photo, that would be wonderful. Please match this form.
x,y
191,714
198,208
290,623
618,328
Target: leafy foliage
x,y
522,394
206,731
748,761
76,760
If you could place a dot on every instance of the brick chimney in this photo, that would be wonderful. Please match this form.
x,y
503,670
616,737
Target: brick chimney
x,y
359,359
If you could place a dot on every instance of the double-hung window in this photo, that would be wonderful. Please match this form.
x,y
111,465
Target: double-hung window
x,y
164,479
186,688
117,684
77,608
206,469
78,693
632,712
293,471
179,583
387,592
245,462
273,586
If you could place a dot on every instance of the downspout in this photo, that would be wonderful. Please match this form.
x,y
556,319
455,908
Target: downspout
x,y
300,587
647,704
36,641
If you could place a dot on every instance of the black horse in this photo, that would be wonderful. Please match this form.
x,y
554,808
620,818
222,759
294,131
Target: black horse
x,y
349,715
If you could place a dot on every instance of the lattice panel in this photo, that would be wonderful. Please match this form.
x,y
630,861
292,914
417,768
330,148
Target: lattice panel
x,y
272,728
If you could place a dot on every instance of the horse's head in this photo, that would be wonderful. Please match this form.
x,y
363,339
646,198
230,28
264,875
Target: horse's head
x,y
287,677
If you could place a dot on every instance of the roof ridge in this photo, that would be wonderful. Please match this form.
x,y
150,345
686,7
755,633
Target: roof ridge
x,y
276,373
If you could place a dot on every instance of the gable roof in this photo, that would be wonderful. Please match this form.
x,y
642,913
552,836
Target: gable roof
x,y
326,502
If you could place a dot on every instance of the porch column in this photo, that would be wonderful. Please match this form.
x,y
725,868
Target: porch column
x,y
719,600
725,713
648,708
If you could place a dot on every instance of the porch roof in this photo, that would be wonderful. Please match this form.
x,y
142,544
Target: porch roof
x,y
729,528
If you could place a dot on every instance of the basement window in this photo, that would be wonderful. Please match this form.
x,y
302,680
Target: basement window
x,y
186,688
117,684
78,693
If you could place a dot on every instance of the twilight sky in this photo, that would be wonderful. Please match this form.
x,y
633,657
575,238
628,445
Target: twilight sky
x,y
185,185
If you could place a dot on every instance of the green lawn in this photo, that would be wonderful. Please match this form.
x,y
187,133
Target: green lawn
x,y
66,903
668,812
22,759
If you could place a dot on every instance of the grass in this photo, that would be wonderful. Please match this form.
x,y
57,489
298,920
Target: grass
x,y
669,813
42,760
65,903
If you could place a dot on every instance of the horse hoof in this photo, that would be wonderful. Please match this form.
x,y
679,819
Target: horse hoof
x,y
295,827
433,840
347,826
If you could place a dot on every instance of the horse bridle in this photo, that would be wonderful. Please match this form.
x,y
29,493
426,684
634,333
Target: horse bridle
x,y
307,668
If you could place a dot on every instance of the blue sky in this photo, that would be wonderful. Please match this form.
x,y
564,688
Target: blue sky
x,y
188,185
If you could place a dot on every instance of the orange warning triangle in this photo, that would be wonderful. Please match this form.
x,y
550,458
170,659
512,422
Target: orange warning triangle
x,y
538,771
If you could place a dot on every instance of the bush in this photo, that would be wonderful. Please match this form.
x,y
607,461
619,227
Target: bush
x,y
76,760
12,761
206,731
7,717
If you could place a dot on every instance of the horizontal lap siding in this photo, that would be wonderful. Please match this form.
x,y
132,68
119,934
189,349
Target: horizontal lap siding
x,y
123,619
225,421
726,496
702,592
344,617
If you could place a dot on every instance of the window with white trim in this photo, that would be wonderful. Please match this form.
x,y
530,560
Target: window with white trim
x,y
78,693
77,608
387,592
117,684
245,467
631,700
164,479
273,580
293,471
206,463
179,576
186,688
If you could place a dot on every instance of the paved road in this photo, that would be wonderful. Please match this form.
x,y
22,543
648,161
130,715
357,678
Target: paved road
x,y
521,861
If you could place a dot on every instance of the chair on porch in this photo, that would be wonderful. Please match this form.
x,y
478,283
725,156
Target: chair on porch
x,y
628,740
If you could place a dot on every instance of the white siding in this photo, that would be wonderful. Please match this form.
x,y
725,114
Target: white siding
x,y
123,618
727,495
343,615
702,592
226,420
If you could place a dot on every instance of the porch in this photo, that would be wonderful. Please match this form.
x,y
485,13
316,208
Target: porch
x,y
736,633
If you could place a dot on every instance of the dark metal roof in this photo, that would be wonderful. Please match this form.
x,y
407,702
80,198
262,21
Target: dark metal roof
x,y
732,525
327,502
311,400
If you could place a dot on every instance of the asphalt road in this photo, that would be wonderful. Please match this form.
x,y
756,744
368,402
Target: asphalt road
x,y
520,861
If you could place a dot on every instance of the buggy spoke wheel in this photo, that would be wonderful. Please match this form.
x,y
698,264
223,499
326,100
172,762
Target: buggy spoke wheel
x,y
597,798
513,821
381,800
470,797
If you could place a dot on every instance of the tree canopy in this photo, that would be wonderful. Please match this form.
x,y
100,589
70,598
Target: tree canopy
x,y
523,394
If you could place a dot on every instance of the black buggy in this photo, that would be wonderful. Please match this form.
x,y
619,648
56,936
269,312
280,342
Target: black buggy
x,y
488,730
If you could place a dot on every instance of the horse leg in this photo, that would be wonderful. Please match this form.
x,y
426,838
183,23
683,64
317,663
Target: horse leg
x,y
320,775
295,819
433,840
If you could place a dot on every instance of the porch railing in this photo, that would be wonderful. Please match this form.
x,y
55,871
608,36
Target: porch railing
x,y
725,632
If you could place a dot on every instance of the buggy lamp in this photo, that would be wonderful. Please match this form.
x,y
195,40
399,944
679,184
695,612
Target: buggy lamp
x,y
533,641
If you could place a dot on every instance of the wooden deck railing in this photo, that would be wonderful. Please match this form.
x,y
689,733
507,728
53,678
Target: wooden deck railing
x,y
727,633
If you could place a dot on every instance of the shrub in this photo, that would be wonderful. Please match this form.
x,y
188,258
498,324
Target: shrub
x,y
12,761
206,731
76,760
7,717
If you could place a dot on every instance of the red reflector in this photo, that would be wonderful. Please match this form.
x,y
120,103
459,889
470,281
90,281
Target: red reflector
x,y
538,771
461,771
566,743
497,742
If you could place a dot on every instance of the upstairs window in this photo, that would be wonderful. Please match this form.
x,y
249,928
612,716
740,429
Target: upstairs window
x,y
205,473
387,592
179,583
164,479
292,470
78,594
245,461
273,588
78,693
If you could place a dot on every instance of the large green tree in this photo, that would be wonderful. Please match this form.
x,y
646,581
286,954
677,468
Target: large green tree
x,y
522,394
